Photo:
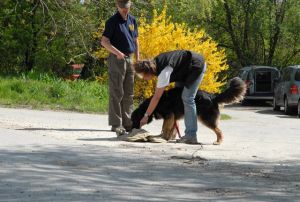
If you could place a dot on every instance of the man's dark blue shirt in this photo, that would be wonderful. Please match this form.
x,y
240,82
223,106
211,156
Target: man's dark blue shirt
x,y
122,33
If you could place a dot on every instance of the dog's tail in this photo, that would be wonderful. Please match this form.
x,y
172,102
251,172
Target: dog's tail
x,y
234,93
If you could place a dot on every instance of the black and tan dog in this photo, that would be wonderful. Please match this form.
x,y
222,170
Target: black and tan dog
x,y
170,108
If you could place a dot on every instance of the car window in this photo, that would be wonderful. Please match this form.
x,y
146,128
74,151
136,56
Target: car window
x,y
276,74
297,75
243,74
250,75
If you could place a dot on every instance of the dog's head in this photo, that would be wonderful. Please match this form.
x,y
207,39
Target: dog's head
x,y
139,113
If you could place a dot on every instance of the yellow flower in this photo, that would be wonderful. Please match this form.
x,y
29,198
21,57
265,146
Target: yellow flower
x,y
160,35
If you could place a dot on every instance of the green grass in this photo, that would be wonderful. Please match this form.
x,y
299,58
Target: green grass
x,y
225,117
52,93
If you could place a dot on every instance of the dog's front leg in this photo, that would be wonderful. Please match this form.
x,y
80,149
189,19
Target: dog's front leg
x,y
169,130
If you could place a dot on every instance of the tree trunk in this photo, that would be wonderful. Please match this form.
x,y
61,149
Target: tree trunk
x,y
246,28
234,39
32,44
279,16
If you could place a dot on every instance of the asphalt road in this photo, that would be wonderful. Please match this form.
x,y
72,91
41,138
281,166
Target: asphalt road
x,y
62,156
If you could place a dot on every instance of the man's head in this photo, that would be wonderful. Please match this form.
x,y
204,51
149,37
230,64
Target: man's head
x,y
123,4
123,7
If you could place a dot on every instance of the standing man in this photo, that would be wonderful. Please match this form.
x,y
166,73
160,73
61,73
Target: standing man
x,y
120,39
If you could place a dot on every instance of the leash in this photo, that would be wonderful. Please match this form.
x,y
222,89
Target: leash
x,y
177,128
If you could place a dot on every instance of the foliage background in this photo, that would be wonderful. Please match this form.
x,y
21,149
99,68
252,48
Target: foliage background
x,y
46,35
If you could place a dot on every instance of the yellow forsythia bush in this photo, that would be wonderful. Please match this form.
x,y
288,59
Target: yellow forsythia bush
x,y
161,35
101,53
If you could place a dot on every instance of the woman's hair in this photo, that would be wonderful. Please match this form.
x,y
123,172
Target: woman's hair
x,y
145,66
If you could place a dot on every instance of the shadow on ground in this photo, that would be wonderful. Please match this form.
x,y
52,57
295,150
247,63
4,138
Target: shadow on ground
x,y
97,173
64,129
262,108
279,114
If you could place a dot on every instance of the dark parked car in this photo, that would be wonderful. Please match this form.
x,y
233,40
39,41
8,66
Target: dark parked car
x,y
259,81
287,90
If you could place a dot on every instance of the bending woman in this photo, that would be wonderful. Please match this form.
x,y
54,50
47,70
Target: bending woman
x,y
186,69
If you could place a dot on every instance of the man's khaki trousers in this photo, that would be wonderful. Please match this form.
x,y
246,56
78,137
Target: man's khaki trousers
x,y
121,80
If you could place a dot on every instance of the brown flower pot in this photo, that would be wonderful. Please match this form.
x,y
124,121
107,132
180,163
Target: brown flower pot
x,y
76,70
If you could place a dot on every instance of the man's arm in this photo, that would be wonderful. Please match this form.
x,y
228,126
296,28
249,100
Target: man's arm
x,y
137,50
105,42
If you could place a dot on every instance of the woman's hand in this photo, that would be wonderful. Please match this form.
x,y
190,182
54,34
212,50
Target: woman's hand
x,y
153,103
144,121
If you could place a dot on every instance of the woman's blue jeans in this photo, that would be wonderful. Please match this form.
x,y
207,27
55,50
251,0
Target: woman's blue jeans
x,y
190,111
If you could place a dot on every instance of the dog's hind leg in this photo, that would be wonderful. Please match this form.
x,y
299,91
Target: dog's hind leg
x,y
220,136
168,129
213,124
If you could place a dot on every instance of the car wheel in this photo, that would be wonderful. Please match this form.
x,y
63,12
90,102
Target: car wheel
x,y
287,108
275,106
298,109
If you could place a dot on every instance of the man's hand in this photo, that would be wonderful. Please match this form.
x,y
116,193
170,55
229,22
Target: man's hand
x,y
105,42
120,56
144,121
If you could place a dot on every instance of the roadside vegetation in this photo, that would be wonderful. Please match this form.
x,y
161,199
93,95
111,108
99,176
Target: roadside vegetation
x,y
49,92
